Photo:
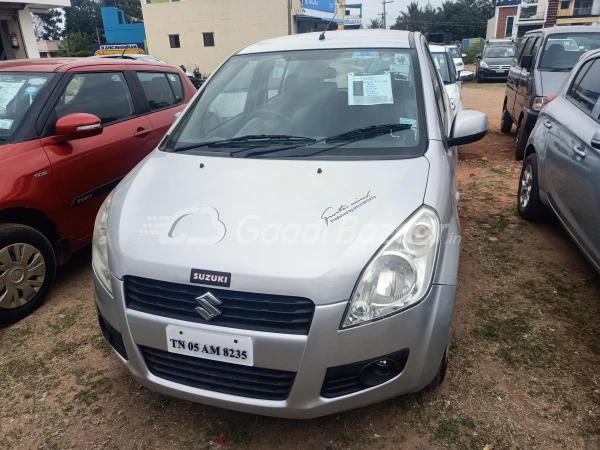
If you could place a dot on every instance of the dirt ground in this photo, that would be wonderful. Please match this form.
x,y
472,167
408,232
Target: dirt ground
x,y
523,365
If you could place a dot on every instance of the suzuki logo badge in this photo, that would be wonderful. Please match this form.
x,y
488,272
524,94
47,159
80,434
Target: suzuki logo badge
x,y
207,306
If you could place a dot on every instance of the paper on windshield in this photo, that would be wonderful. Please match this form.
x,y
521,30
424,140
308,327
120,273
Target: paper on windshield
x,y
365,89
5,124
8,90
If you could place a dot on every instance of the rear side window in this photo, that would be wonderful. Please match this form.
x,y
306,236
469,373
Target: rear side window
x,y
104,95
585,90
158,90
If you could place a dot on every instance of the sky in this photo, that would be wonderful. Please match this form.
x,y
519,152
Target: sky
x,y
373,7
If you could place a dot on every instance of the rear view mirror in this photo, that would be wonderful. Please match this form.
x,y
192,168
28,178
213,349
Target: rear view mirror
x,y
468,126
477,56
596,140
76,126
526,61
466,75
176,116
464,55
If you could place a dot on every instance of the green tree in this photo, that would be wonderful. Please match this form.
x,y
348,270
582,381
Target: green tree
x,y
84,17
132,10
375,23
75,44
49,25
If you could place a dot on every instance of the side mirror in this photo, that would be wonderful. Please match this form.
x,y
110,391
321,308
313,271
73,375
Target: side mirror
x,y
526,61
176,116
76,126
465,75
477,56
596,140
468,126
464,55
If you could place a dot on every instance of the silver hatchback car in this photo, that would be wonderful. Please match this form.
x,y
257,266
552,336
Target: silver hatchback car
x,y
291,247
562,159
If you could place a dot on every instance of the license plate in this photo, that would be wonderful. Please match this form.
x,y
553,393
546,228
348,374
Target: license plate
x,y
500,71
208,345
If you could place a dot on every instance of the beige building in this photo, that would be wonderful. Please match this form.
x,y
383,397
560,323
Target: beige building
x,y
208,31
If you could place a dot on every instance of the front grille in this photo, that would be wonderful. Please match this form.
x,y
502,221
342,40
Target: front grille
x,y
217,376
500,67
114,338
346,379
244,310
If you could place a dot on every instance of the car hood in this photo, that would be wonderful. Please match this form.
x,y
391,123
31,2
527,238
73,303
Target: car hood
x,y
551,81
498,61
290,227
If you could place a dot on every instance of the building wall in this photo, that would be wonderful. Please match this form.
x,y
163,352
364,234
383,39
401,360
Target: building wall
x,y
565,16
121,33
235,24
502,14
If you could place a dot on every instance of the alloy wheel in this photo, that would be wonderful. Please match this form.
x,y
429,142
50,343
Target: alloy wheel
x,y
22,272
526,185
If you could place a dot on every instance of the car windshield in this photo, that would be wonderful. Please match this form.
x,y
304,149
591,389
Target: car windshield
x,y
441,63
497,51
454,52
308,95
562,51
18,91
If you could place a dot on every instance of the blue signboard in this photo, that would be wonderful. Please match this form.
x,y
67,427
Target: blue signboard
x,y
319,5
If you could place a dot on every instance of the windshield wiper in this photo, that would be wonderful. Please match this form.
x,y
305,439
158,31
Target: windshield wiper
x,y
355,135
260,139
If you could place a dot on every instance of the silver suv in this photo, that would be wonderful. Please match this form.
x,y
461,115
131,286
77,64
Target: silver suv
x,y
291,247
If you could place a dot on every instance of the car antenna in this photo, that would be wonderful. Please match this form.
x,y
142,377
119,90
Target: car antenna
x,y
322,35
124,50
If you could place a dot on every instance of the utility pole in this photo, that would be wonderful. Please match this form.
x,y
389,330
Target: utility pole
x,y
384,13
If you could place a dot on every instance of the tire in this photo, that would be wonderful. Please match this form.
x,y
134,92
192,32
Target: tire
x,y
520,142
528,196
440,376
17,303
506,122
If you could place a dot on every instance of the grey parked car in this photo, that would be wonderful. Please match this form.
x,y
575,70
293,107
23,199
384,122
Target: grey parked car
x,y
494,61
542,63
291,247
562,159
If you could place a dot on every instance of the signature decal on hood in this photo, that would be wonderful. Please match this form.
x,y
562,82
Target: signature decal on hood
x,y
193,226
210,277
331,214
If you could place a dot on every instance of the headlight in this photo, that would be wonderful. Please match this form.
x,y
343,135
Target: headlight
x,y
99,244
539,103
484,65
400,273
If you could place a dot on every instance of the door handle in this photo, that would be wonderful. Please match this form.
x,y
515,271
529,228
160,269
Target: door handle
x,y
578,151
141,132
547,123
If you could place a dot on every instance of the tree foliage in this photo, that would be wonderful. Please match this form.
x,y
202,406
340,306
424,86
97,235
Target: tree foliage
x,y
375,23
48,26
84,17
463,19
132,9
75,44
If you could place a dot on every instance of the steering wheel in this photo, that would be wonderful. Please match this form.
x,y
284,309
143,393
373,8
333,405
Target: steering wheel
x,y
263,112
567,62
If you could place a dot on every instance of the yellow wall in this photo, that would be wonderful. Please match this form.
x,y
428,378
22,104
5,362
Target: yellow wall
x,y
235,24
566,12
576,21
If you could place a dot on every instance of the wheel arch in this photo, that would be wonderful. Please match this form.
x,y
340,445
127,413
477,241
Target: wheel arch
x,y
39,221
529,150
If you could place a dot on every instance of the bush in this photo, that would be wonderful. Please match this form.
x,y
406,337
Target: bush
x,y
76,45
475,48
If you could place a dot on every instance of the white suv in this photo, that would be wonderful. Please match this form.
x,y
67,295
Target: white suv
x,y
457,56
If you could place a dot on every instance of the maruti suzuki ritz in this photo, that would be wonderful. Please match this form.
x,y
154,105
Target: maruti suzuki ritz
x,y
291,247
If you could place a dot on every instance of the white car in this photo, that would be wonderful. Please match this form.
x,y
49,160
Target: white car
x,y
457,57
445,65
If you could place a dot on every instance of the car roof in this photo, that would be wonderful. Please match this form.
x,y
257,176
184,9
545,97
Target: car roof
x,y
333,39
65,64
437,48
565,30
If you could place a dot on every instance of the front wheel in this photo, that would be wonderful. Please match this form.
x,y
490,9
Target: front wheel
x,y
506,121
530,205
27,269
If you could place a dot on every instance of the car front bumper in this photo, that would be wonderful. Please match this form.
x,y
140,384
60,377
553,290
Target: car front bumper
x,y
488,74
423,329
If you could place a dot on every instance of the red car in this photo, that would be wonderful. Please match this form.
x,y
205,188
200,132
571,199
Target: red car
x,y
70,130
